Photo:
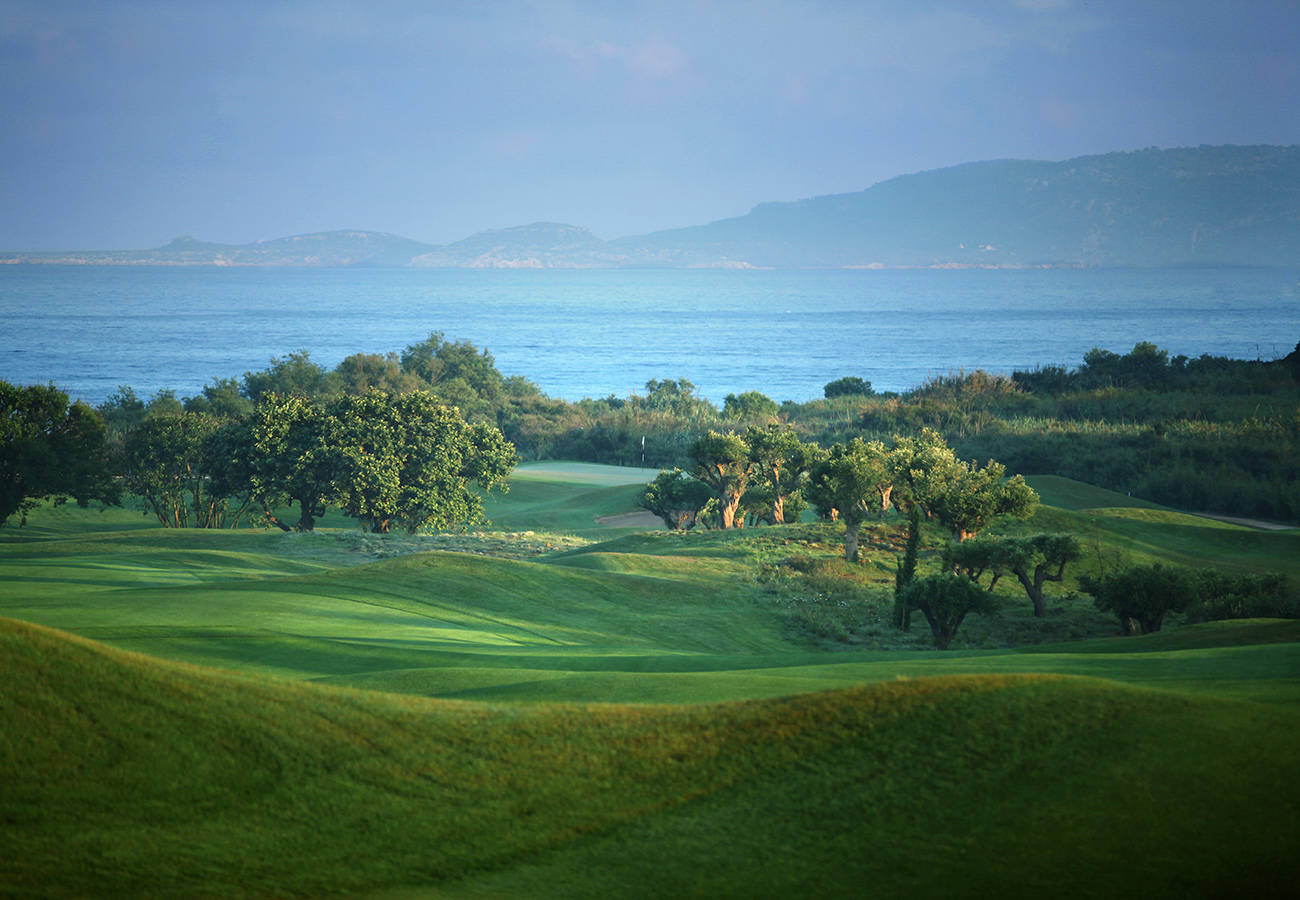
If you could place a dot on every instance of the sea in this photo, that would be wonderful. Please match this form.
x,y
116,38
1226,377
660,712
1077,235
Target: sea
x,y
593,333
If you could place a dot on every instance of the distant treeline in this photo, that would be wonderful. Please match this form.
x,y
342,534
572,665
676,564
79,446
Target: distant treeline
x,y
1210,433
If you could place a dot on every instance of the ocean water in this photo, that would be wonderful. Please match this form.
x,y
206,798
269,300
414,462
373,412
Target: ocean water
x,y
594,333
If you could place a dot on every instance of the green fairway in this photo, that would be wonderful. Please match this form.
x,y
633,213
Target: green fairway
x,y
235,754
579,473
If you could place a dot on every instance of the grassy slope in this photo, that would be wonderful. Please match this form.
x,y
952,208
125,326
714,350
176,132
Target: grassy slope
x,y
622,626
1067,493
127,775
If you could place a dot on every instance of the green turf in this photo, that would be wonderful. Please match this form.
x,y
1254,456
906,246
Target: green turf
x,y
583,473
551,506
120,774
1067,493
647,617
463,769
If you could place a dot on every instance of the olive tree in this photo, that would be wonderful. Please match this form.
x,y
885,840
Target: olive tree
x,y
1034,560
945,600
1039,559
1141,596
722,461
920,468
782,464
855,479
969,498
676,498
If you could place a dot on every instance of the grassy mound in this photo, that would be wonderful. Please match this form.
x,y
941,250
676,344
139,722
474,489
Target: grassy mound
x,y
120,774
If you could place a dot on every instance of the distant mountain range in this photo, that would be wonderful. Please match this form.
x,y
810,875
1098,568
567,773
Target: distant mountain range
x,y
1192,206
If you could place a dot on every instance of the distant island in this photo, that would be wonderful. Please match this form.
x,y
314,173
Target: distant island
x,y
1231,205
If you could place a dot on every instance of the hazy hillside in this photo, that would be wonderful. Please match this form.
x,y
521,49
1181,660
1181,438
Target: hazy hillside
x,y
1210,205
330,248
541,245
1192,206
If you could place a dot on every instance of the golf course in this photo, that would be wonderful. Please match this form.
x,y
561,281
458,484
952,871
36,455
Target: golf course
x,y
552,706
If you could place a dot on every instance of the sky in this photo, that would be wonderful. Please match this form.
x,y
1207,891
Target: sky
x,y
124,124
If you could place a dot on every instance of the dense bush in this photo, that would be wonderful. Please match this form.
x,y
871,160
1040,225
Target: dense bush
x,y
1142,596
1221,596
946,600
849,386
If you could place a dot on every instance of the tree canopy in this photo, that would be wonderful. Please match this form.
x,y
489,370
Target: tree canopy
x,y
945,600
293,375
675,497
967,498
50,449
848,386
722,462
750,406
855,479
164,463
1141,596
409,461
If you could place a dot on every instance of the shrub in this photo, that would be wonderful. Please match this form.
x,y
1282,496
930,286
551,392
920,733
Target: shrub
x,y
849,386
1141,596
1223,596
946,600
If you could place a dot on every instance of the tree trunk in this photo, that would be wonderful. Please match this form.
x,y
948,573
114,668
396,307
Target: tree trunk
x,y
777,515
851,527
1034,589
1036,597
239,513
943,631
727,505
1151,623
307,521
274,520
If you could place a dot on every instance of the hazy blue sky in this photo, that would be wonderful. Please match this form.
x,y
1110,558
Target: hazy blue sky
x,y
123,124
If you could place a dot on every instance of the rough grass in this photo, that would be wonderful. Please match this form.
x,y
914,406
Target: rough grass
x,y
123,775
